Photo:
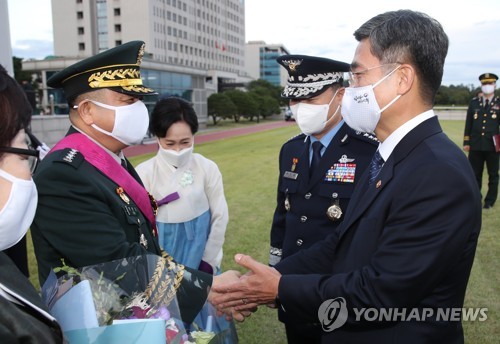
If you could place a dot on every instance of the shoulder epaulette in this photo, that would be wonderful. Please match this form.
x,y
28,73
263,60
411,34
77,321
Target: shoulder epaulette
x,y
297,137
69,156
365,137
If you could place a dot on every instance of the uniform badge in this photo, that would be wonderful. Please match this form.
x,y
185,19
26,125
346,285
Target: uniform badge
x,y
291,175
143,241
123,196
344,159
287,203
334,212
341,172
379,184
292,64
475,115
294,164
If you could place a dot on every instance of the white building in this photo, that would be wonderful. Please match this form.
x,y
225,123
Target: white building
x,y
191,45
261,62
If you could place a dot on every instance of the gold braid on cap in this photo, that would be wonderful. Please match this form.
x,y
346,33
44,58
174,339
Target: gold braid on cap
x,y
161,289
115,77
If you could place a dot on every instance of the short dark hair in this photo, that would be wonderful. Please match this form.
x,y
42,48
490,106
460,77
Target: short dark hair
x,y
170,110
15,109
411,37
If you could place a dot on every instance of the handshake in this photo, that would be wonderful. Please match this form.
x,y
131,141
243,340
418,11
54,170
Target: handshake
x,y
237,295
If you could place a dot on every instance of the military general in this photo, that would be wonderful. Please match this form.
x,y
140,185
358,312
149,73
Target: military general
x,y
92,206
318,168
481,124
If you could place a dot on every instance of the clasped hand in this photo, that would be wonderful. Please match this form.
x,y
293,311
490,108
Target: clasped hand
x,y
238,296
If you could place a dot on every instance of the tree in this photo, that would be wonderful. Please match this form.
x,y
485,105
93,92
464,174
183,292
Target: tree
x,y
220,105
19,73
245,104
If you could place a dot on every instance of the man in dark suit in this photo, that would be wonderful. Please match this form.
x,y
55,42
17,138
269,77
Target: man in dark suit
x,y
481,124
409,236
313,195
92,206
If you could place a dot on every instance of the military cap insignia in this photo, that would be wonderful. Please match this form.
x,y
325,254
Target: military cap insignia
x,y
292,64
140,53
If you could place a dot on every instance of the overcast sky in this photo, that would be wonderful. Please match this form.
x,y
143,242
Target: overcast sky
x,y
323,28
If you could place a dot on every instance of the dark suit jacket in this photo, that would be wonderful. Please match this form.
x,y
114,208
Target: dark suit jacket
x,y
407,241
23,324
309,197
81,218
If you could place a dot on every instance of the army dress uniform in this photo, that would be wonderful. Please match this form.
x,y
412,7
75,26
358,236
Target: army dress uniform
x,y
482,122
84,215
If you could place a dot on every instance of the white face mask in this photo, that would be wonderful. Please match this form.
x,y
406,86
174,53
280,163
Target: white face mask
x,y
18,213
312,118
360,108
131,122
488,89
175,158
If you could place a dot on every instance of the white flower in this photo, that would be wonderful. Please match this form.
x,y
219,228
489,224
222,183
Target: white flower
x,y
187,178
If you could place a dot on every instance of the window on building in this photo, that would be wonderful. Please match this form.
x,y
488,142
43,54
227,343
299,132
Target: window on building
x,y
81,31
81,46
79,1
118,28
118,42
79,15
117,12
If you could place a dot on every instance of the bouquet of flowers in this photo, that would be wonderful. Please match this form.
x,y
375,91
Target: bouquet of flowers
x,y
129,300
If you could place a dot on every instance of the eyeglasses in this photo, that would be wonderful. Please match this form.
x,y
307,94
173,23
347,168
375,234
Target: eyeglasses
x,y
355,76
32,154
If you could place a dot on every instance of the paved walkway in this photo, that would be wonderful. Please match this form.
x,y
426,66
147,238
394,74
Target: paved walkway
x,y
202,137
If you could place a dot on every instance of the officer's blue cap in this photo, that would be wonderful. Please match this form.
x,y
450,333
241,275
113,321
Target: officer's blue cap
x,y
309,76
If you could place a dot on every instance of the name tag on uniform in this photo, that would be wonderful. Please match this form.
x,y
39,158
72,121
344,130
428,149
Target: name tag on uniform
x,y
291,175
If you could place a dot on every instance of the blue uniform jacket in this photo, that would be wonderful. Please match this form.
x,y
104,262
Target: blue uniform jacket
x,y
300,219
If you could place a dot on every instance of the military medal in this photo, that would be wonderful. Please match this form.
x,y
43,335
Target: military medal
x,y
287,203
334,212
294,164
143,241
123,196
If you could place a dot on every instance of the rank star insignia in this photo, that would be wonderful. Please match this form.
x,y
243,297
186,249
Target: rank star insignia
x,y
123,196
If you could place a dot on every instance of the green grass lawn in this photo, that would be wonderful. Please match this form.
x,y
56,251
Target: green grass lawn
x,y
249,166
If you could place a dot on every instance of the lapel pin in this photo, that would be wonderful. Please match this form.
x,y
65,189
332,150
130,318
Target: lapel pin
x,y
379,184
